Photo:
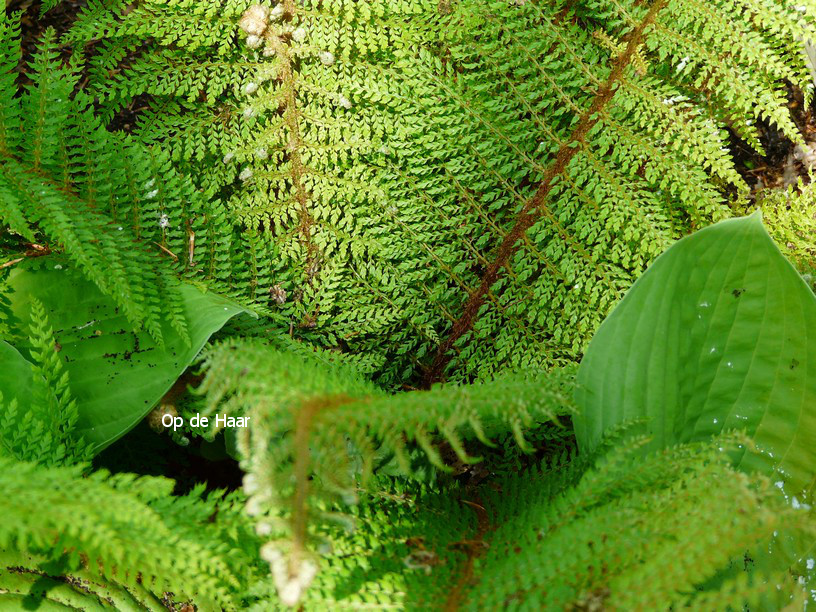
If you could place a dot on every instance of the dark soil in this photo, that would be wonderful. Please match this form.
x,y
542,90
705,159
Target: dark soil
x,y
143,451
59,18
779,167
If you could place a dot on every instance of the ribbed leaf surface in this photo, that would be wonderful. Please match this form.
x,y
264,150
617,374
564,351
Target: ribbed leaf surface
x,y
716,335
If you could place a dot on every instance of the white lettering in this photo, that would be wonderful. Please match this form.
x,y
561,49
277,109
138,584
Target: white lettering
x,y
198,421
175,421
222,420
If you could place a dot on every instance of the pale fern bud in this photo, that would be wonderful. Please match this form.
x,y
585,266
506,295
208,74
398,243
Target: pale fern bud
x,y
344,102
261,153
293,591
251,484
152,194
326,57
250,88
249,112
228,157
246,174
253,42
164,221
263,529
253,506
276,13
278,294
290,581
254,20
270,553
268,51
299,35
308,572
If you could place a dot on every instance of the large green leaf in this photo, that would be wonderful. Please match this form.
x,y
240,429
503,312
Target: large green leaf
x,y
116,375
17,377
717,334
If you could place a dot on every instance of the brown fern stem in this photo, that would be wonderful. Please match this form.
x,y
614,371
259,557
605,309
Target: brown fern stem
x,y
474,549
532,209
291,119
304,424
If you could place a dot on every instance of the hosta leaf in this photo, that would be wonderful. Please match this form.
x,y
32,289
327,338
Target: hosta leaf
x,y
116,375
17,377
717,334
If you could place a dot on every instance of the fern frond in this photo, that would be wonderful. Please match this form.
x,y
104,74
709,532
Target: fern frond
x,y
317,431
790,216
102,526
571,533
107,201
377,155
43,428
612,538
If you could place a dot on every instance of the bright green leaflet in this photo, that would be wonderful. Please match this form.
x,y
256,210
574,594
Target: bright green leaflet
x,y
116,375
715,335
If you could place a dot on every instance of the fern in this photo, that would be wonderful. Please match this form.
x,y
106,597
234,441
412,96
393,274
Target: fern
x,y
791,217
47,5
97,195
45,431
312,419
572,533
95,530
620,524
402,547
377,155
433,204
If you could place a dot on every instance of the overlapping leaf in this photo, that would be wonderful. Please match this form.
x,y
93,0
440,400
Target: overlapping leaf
x,y
116,374
717,334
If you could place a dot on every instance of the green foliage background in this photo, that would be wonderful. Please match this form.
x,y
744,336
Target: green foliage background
x,y
388,233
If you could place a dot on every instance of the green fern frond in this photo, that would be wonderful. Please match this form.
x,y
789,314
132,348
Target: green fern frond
x,y
317,431
402,547
572,533
114,206
43,431
102,526
375,155
611,538
790,216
